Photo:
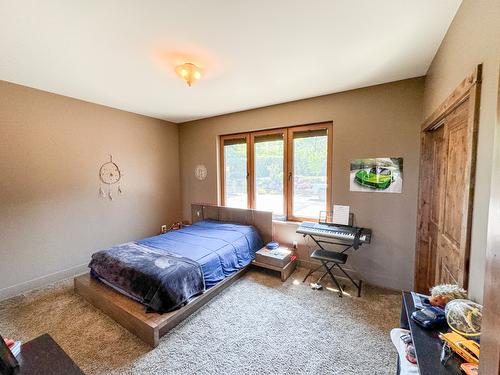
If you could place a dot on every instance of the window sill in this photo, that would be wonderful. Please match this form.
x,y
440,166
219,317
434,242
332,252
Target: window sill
x,y
286,222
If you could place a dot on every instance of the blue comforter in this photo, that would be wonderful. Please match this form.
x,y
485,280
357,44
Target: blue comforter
x,y
220,248
159,280
164,272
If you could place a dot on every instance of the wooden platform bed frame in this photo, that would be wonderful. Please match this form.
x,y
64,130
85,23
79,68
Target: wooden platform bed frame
x,y
151,326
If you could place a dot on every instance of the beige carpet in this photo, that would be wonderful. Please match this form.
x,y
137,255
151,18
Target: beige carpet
x,y
256,326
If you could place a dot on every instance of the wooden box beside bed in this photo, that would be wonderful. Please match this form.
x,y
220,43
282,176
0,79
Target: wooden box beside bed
x,y
151,326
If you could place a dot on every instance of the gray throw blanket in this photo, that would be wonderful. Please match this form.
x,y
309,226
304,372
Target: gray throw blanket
x,y
160,280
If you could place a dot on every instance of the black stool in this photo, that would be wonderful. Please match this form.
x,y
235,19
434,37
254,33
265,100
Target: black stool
x,y
334,258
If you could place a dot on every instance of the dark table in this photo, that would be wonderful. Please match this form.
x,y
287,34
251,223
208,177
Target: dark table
x,y
427,344
43,356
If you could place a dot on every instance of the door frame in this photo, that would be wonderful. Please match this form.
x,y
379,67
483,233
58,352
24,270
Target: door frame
x,y
490,339
469,88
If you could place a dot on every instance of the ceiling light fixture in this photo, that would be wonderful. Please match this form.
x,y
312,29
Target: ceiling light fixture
x,y
188,72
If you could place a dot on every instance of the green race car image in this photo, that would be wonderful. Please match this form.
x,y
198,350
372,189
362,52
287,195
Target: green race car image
x,y
375,178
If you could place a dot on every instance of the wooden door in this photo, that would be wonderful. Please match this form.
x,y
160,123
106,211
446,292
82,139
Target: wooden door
x,y
446,187
454,222
432,169
437,169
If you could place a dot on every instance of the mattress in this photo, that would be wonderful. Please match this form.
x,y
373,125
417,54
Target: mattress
x,y
220,248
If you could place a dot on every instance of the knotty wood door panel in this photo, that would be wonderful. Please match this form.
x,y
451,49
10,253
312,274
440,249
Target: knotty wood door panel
x,y
432,168
438,170
451,246
457,159
437,162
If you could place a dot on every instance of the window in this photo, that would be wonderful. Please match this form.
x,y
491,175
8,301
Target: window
x,y
269,171
235,161
286,170
309,156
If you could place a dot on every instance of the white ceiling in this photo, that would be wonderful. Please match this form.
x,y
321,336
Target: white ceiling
x,y
122,53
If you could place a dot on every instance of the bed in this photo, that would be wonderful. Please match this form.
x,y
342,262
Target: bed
x,y
164,272
150,285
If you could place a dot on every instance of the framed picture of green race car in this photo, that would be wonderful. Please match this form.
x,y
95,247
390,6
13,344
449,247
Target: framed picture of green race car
x,y
377,175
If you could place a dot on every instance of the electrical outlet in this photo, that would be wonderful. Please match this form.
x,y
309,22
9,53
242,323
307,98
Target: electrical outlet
x,y
295,244
164,228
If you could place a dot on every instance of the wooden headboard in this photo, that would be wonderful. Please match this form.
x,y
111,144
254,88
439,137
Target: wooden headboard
x,y
261,220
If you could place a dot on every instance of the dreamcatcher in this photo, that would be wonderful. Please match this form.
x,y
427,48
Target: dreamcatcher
x,y
109,174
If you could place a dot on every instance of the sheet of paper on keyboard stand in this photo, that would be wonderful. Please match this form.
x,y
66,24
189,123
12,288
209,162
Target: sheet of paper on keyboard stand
x,y
340,214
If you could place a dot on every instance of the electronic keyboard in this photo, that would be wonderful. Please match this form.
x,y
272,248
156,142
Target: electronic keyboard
x,y
336,231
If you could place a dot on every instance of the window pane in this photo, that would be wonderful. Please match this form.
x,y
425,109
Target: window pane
x,y
268,172
310,152
235,173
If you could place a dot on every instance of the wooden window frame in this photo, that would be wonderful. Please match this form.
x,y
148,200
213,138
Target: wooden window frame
x,y
287,133
289,198
251,150
223,138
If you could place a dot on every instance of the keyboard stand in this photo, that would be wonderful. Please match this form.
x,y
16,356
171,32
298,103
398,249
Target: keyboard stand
x,y
330,259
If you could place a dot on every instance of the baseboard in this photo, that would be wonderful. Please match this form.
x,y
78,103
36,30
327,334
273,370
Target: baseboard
x,y
39,282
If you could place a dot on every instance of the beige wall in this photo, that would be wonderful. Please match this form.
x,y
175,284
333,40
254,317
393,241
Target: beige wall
x,y
372,122
473,38
51,148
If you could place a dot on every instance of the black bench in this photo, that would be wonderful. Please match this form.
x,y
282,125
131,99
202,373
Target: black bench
x,y
329,260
